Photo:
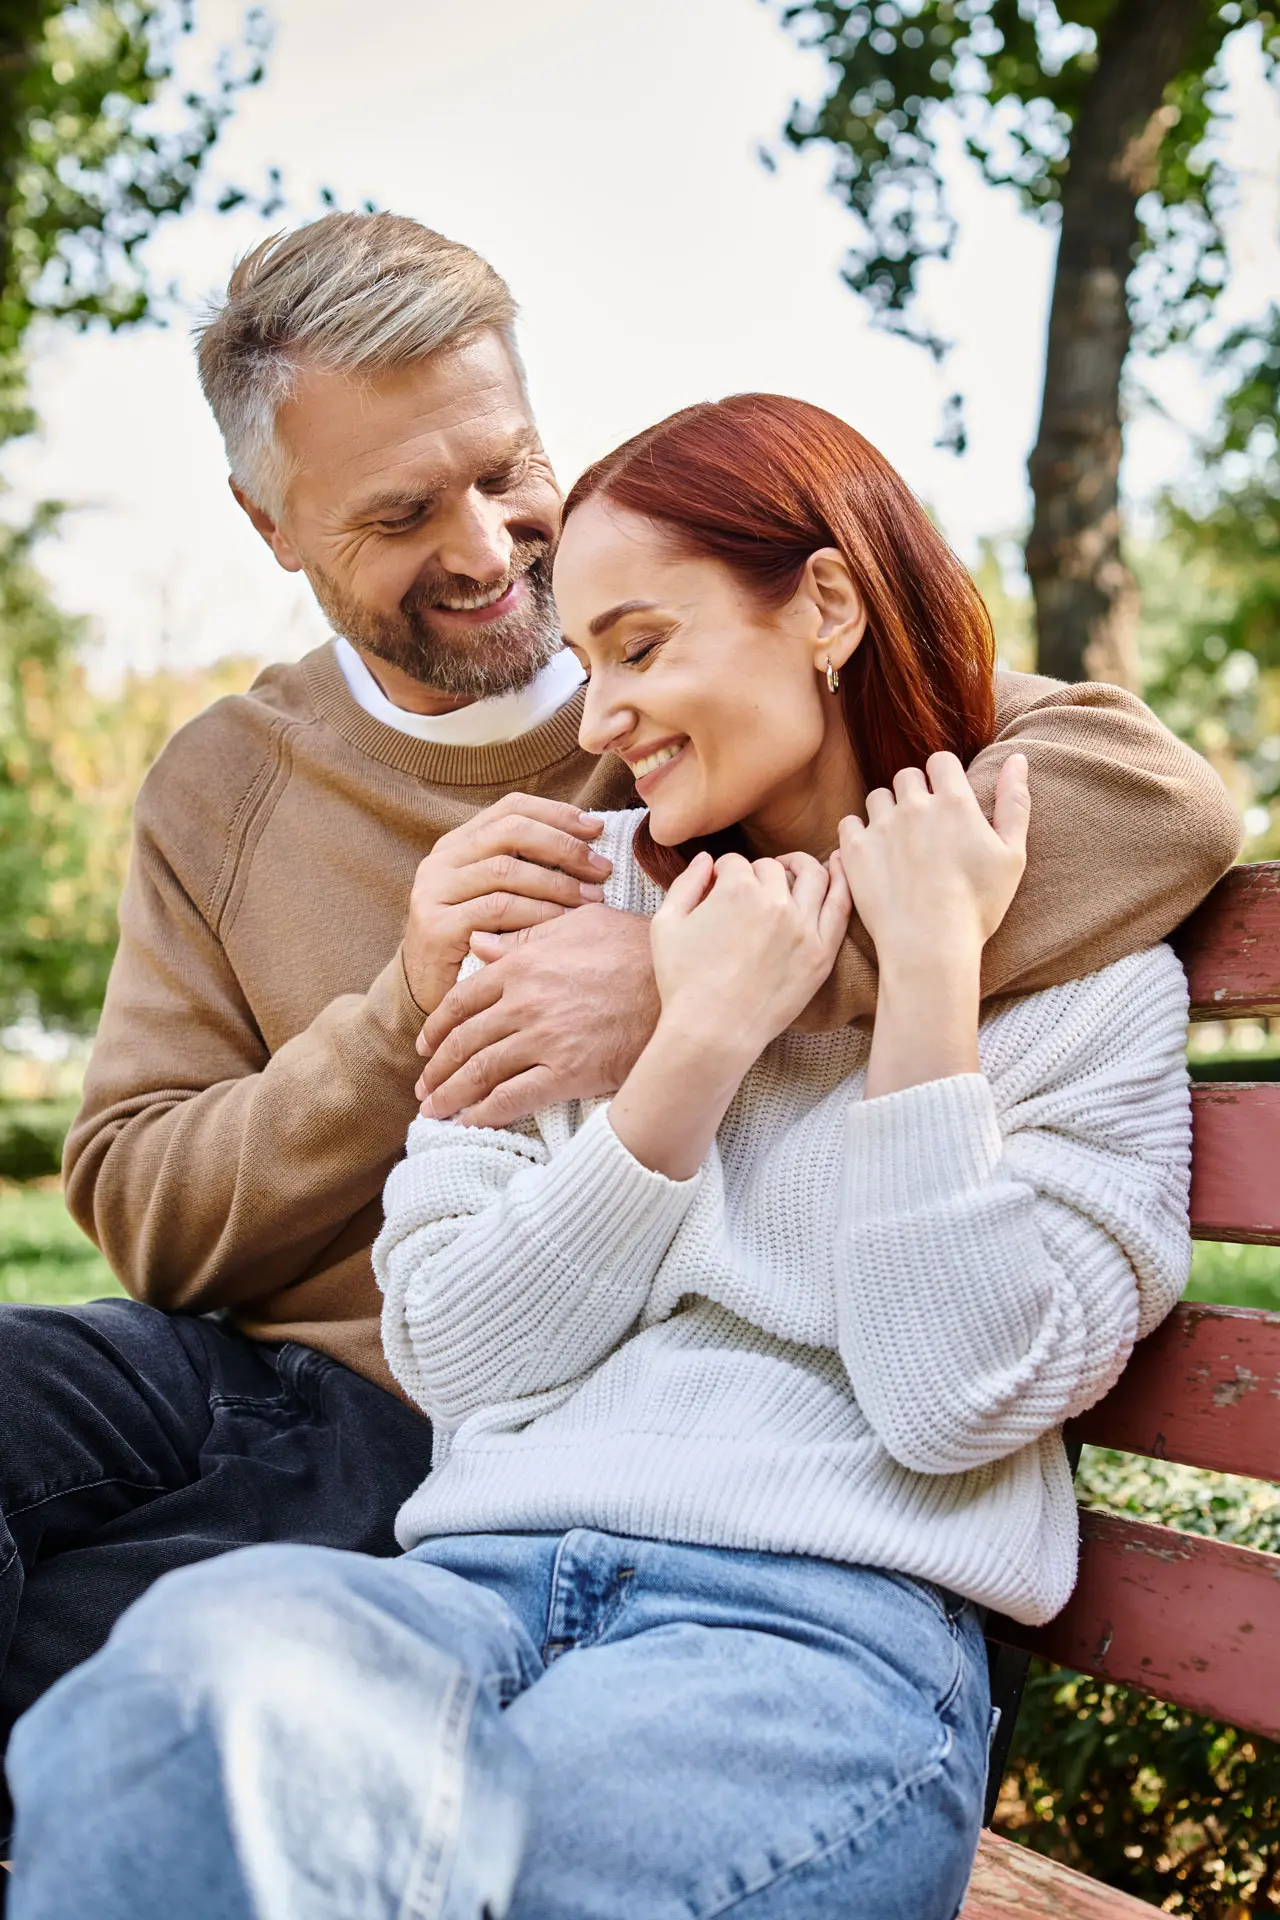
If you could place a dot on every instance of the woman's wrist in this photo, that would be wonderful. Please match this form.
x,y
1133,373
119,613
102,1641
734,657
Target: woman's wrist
x,y
668,1108
927,1011
696,1038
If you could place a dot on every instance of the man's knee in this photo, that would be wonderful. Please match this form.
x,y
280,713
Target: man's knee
x,y
42,1348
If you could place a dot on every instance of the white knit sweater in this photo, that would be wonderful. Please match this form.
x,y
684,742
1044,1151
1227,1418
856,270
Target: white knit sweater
x,y
854,1334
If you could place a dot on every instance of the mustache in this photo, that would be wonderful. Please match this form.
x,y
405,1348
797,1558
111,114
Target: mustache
x,y
531,557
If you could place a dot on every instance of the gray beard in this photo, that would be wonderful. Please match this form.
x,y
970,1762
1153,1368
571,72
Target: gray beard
x,y
498,657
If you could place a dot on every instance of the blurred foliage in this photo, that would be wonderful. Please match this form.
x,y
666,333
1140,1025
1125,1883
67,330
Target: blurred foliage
x,y
1177,1810
71,761
47,959
97,145
31,1137
1213,612
45,1260
1106,118
1235,1276
1014,74
1003,585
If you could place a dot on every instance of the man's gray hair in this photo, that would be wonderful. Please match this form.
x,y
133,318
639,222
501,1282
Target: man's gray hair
x,y
354,293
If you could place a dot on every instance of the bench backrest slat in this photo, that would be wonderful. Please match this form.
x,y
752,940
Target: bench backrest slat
x,y
1203,1389
1190,1620
1193,1621
1235,1161
1230,947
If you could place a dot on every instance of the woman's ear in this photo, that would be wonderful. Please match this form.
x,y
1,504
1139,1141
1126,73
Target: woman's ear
x,y
842,612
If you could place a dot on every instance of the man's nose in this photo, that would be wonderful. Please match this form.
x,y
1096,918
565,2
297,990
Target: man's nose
x,y
474,540
607,721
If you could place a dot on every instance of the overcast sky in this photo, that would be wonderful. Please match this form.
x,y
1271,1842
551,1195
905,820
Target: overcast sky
x,y
603,156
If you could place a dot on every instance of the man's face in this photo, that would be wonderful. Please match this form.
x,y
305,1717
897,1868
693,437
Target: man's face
x,y
424,513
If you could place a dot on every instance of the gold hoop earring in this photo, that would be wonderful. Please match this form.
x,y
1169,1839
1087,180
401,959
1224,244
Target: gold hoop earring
x,y
833,678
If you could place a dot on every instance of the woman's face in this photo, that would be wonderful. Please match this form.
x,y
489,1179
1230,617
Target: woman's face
x,y
719,705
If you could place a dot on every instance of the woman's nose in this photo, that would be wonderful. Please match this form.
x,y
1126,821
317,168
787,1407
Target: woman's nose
x,y
607,722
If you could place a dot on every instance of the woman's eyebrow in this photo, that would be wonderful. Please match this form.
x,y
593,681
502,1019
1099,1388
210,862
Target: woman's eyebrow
x,y
603,621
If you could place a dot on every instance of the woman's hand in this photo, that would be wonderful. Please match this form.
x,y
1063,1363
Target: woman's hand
x,y
520,862
932,882
737,960
927,873
735,963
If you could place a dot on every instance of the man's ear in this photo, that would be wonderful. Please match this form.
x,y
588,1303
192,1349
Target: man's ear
x,y
841,610
282,547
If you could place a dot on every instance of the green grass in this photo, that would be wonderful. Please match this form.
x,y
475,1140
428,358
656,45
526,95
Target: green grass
x,y
44,1257
1236,1276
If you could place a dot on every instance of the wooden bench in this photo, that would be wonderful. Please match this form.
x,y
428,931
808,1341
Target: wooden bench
x,y
1189,1620
1192,1621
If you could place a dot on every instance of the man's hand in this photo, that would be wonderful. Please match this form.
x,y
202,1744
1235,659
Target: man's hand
x,y
517,864
561,1012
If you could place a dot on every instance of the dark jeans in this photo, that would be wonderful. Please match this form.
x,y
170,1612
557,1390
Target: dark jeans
x,y
134,1441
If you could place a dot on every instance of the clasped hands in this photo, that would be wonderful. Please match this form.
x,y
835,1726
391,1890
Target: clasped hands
x,y
572,990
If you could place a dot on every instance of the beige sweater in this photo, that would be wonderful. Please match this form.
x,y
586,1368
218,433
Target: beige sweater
x,y
252,1081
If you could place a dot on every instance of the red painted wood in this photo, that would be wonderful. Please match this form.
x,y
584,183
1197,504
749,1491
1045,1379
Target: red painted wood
x,y
1011,1881
1235,1161
1230,946
1203,1389
1192,1621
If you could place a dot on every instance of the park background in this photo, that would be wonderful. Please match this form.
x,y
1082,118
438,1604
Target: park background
x,y
858,204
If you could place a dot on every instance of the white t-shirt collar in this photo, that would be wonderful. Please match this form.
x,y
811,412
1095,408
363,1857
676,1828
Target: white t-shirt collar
x,y
486,723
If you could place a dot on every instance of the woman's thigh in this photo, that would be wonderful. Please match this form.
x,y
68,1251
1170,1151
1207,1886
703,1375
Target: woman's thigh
x,y
777,1738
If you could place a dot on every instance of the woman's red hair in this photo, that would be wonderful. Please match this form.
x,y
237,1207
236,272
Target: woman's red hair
x,y
761,482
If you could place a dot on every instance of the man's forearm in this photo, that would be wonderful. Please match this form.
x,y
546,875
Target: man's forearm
x,y
1130,829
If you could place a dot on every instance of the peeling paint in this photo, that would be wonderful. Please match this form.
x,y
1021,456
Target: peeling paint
x,y
1152,1552
1228,1393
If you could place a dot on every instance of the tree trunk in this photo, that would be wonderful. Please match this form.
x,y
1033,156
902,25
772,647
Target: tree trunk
x,y
1086,598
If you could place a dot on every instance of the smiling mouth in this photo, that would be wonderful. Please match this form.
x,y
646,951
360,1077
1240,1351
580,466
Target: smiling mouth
x,y
643,771
478,607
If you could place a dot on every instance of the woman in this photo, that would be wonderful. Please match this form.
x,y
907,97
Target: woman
x,y
747,1385
812,1305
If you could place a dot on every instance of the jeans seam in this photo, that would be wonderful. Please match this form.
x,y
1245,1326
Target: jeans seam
x,y
424,1899
609,1616
957,1679
553,1601
88,1486
844,1839
247,1402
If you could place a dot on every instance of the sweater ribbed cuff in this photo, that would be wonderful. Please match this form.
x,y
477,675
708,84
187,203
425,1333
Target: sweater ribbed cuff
x,y
593,1198
600,1200
922,1145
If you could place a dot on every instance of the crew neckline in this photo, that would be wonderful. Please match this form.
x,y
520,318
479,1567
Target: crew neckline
x,y
502,765
485,723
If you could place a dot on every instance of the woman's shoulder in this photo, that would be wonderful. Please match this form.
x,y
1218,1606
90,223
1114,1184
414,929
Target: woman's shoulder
x,y
628,887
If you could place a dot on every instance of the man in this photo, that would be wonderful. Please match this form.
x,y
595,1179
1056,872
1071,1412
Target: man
x,y
254,1071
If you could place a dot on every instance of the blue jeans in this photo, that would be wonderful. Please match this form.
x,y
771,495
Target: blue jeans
x,y
545,1727
133,1442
